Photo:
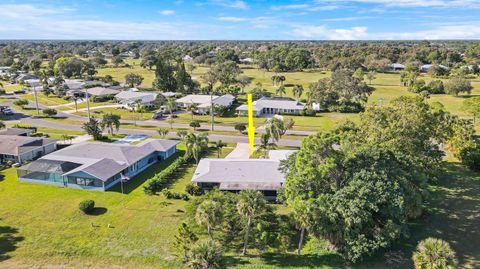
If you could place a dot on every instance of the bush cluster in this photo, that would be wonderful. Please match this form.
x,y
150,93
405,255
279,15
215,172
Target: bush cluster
x,y
175,195
162,179
193,189
470,156
86,206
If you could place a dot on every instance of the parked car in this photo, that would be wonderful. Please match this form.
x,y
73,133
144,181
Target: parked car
x,y
157,115
5,110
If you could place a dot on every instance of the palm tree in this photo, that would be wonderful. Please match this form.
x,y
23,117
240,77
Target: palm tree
x,y
170,121
211,78
195,144
265,144
2,125
206,255
274,79
281,91
281,79
297,91
218,146
136,105
434,253
67,137
162,132
250,204
301,216
110,121
209,213
171,105
244,81
275,127
75,100
192,108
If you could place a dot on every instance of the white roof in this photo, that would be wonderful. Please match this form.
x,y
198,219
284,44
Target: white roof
x,y
280,154
236,174
266,102
397,65
195,99
428,66
131,96
99,91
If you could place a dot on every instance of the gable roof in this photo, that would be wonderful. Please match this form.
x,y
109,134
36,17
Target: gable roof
x,y
101,91
266,102
131,95
15,145
104,160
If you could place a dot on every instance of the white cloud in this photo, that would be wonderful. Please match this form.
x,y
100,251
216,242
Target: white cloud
x,y
323,32
25,10
349,18
232,19
238,4
167,12
413,3
285,7
455,31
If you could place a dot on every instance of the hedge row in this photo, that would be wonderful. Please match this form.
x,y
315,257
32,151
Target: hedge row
x,y
161,180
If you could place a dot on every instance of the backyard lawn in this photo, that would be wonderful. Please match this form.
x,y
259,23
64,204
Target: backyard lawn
x,y
42,225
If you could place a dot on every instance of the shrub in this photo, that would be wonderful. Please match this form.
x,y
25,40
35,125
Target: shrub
x,y
241,127
161,180
434,253
49,112
195,124
193,189
20,102
175,195
86,206
470,156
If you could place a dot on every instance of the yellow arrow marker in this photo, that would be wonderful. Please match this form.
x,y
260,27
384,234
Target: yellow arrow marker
x,y
251,128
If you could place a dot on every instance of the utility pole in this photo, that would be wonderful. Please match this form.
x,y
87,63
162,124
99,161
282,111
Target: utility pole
x,y
211,107
88,103
36,100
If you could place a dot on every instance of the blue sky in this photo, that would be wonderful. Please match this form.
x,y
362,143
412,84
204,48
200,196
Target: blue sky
x,y
240,19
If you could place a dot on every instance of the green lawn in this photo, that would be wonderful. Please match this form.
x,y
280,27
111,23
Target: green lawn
x,y
42,225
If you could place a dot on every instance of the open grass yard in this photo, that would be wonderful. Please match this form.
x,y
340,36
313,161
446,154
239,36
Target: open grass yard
x,y
45,100
42,225
124,114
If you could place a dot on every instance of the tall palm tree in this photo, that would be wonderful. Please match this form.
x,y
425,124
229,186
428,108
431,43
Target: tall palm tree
x,y
209,213
301,215
250,204
195,144
281,91
211,79
218,146
192,108
265,144
275,127
110,121
434,253
297,91
171,105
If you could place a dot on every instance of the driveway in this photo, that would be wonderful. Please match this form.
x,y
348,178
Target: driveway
x,y
241,151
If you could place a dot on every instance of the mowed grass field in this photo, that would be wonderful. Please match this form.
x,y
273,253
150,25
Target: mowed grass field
x,y
41,225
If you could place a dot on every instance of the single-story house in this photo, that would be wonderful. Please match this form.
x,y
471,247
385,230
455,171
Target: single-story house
x,y
187,58
426,67
19,149
102,92
270,106
96,165
396,67
25,76
203,102
246,61
16,131
129,97
240,174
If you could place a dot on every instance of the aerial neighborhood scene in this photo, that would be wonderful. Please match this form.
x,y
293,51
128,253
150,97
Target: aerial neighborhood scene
x,y
240,134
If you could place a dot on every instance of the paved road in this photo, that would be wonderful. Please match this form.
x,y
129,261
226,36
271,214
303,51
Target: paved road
x,y
224,138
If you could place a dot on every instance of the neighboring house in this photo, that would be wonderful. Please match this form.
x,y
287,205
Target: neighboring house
x,y
203,102
187,58
96,165
25,76
129,97
426,67
19,149
240,174
101,92
270,106
16,131
246,61
396,67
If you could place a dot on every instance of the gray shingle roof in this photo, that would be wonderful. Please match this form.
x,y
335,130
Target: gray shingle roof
x,y
240,173
101,91
265,102
15,145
